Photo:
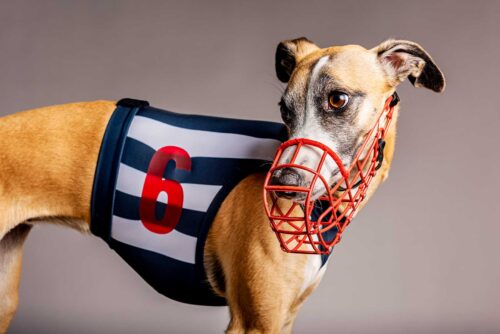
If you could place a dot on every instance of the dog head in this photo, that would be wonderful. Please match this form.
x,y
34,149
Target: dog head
x,y
334,95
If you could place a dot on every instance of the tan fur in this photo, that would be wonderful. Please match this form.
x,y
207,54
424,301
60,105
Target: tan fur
x,y
47,163
49,155
48,158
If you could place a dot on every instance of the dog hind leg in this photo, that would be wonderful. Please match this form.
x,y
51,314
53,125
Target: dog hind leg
x,y
10,272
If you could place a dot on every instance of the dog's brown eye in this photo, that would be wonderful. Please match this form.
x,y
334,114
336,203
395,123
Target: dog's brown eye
x,y
337,100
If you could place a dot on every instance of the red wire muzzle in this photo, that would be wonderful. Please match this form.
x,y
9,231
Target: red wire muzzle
x,y
322,205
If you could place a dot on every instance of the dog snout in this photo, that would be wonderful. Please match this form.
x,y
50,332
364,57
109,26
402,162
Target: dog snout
x,y
287,177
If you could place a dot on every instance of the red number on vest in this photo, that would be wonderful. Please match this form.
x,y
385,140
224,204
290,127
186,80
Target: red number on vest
x,y
155,184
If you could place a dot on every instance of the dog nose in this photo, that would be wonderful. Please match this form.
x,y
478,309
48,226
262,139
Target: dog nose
x,y
286,177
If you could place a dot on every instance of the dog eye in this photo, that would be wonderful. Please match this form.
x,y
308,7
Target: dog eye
x,y
337,100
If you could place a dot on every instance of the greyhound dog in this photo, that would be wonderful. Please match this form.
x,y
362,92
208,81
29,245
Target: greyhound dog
x,y
49,165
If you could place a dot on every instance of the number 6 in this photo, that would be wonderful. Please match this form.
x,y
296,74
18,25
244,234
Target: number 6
x,y
154,184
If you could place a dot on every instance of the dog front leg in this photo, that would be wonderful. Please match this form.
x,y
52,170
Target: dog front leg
x,y
256,307
265,295
245,264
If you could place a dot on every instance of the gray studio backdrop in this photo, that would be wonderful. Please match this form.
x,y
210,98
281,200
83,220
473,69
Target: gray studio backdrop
x,y
421,258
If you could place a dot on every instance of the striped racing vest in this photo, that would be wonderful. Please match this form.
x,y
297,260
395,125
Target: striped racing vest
x,y
159,181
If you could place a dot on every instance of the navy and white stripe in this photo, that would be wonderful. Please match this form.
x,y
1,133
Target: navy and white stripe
x,y
223,151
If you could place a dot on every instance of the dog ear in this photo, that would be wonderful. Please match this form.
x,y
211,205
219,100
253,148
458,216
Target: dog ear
x,y
288,55
405,59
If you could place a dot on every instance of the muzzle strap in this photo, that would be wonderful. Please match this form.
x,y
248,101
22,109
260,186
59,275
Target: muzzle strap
x,y
395,100
381,142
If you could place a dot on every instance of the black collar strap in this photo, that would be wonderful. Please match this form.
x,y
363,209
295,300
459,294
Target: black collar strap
x,y
381,142
395,100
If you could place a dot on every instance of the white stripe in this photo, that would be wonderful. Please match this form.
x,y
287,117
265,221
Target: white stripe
x,y
176,245
197,197
200,143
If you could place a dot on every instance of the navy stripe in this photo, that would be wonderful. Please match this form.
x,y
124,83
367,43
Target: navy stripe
x,y
260,129
175,279
106,170
211,171
127,206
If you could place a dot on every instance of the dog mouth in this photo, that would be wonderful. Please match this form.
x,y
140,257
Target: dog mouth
x,y
300,197
295,196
